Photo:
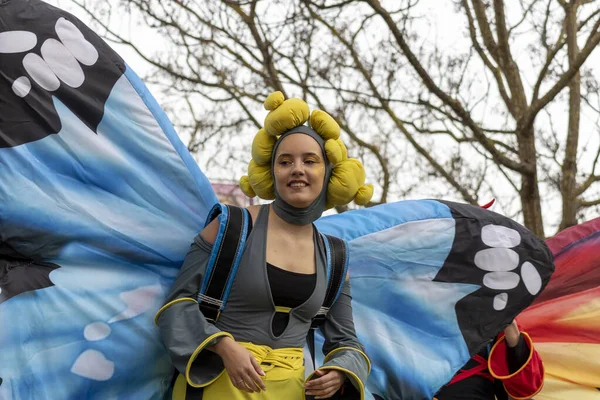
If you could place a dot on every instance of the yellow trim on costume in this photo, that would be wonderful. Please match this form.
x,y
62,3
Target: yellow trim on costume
x,y
332,352
530,396
344,370
283,309
195,354
169,304
529,343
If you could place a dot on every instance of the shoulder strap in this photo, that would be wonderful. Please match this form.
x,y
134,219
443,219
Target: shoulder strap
x,y
336,253
234,228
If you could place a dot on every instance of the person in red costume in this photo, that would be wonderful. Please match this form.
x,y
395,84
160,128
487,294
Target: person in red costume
x,y
510,368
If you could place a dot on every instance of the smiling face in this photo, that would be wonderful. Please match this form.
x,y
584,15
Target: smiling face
x,y
299,170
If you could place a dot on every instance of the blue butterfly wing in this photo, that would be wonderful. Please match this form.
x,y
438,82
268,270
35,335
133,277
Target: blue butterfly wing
x,y
99,207
422,302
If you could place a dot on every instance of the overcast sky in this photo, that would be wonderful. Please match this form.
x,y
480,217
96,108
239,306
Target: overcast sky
x,y
445,27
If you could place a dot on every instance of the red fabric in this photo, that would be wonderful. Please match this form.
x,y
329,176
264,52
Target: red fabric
x,y
488,205
526,382
575,282
571,235
480,369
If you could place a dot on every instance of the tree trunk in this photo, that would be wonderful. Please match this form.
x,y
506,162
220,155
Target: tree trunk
x,y
568,182
529,193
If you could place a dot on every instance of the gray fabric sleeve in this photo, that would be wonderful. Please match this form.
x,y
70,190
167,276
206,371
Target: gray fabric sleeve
x,y
342,349
184,330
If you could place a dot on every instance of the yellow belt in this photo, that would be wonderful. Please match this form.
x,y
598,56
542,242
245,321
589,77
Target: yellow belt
x,y
284,377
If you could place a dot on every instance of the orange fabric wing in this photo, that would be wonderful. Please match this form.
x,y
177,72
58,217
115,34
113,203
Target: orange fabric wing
x,y
564,321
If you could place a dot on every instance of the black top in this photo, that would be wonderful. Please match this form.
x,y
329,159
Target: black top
x,y
288,289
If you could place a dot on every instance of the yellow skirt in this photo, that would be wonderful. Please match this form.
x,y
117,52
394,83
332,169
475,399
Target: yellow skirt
x,y
284,377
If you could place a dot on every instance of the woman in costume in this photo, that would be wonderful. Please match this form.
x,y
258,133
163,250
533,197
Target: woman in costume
x,y
511,367
254,350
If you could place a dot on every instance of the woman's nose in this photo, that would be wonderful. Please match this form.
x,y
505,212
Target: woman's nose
x,y
298,168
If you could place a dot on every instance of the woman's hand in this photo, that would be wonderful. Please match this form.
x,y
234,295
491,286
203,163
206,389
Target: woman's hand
x,y
330,381
241,366
512,334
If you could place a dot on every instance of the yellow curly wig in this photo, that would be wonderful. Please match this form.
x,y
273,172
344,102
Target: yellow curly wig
x,y
348,176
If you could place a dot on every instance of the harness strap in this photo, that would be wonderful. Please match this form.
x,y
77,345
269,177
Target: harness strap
x,y
336,253
234,228
480,369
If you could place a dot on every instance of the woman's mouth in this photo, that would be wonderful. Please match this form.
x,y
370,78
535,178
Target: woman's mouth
x,y
297,184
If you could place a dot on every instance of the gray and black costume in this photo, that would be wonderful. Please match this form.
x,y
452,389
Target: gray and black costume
x,y
248,319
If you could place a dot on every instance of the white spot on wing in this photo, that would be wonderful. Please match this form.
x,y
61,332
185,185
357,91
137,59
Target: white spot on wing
x,y
17,41
62,62
96,331
531,278
21,86
501,280
500,236
92,364
497,259
500,301
40,72
74,40
138,301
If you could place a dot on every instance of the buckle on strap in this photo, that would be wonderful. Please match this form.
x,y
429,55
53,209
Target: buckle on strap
x,y
210,309
318,320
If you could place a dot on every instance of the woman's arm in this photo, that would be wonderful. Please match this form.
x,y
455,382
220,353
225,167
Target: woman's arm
x,y
342,349
184,330
188,335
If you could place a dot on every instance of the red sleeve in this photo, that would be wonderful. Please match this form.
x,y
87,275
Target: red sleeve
x,y
527,381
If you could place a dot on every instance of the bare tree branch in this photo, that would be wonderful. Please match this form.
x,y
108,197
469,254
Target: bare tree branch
x,y
493,69
590,203
452,103
563,81
465,194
